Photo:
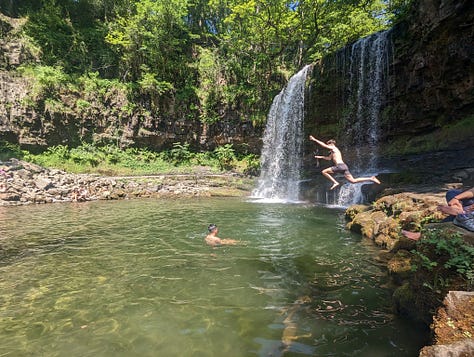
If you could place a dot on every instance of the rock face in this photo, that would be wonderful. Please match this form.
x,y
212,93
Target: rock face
x,y
453,327
428,101
433,79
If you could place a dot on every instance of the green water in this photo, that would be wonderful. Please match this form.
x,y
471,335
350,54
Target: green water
x,y
134,278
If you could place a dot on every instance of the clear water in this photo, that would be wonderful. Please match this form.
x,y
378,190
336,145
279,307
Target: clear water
x,y
134,278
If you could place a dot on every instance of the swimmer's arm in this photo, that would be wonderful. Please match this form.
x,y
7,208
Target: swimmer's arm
x,y
229,241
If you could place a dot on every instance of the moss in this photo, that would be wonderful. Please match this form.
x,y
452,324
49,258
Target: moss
x,y
404,299
400,264
447,136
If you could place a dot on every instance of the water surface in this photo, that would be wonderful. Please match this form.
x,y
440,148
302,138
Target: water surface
x,y
134,278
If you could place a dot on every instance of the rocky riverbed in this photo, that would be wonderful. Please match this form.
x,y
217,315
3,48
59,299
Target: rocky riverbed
x,y
25,183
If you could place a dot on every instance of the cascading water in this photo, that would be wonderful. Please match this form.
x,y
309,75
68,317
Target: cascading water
x,y
282,152
369,67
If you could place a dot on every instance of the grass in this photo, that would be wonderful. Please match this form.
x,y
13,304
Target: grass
x,y
114,161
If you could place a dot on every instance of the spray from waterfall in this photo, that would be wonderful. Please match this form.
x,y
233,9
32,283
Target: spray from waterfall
x,y
368,70
282,151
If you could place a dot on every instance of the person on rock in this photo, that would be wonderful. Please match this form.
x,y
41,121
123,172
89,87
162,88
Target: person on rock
x,y
339,165
458,202
213,240
459,208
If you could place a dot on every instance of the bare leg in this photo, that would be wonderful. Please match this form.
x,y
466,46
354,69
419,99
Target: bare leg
x,y
450,210
326,173
351,179
411,235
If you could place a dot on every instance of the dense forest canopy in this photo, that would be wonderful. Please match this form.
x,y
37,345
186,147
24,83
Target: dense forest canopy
x,y
209,56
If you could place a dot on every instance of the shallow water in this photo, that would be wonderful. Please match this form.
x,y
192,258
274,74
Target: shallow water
x,y
134,278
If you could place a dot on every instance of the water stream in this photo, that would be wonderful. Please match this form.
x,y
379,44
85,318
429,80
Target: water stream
x,y
282,151
368,60
134,278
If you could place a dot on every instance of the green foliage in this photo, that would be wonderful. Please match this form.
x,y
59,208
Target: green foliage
x,y
191,58
152,34
438,252
398,10
46,81
210,92
225,155
9,150
113,160
149,84
92,85
180,153
86,154
252,163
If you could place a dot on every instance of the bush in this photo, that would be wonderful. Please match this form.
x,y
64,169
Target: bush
x,y
447,256
225,156
9,150
252,162
180,153
47,80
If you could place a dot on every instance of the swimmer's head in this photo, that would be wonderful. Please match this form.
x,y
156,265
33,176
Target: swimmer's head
x,y
331,142
211,228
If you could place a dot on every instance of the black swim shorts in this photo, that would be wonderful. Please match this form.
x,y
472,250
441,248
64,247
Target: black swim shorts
x,y
341,168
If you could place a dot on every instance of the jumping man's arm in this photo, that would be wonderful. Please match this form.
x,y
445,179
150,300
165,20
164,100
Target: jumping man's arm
x,y
323,144
323,157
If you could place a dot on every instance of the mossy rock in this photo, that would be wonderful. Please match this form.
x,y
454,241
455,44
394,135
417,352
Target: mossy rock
x,y
367,223
400,266
404,301
353,210
394,204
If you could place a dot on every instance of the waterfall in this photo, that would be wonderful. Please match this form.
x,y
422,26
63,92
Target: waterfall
x,y
368,81
282,151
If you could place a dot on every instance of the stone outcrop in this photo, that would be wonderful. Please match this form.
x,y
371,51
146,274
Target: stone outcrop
x,y
433,68
453,327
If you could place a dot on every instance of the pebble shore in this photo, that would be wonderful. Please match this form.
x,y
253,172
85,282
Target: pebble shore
x,y
24,183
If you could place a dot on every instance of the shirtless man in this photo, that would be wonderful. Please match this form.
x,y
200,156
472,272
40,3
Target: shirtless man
x,y
340,166
213,240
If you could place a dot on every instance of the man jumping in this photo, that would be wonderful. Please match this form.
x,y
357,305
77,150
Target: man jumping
x,y
339,165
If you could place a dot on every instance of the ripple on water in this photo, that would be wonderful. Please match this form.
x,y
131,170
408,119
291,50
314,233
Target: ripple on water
x,y
135,278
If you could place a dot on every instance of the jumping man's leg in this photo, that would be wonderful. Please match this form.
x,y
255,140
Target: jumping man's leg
x,y
326,173
351,179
